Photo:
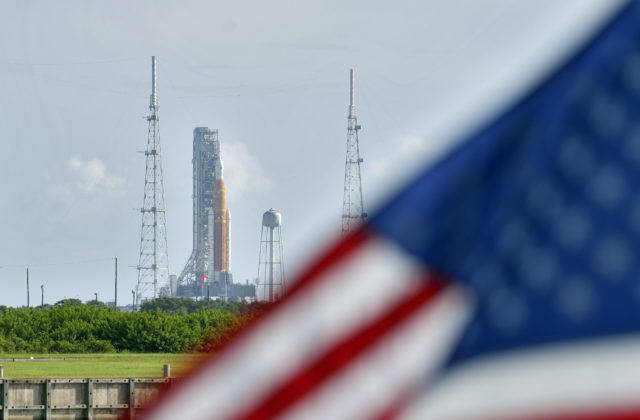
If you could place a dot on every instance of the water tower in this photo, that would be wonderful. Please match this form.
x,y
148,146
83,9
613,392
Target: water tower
x,y
271,281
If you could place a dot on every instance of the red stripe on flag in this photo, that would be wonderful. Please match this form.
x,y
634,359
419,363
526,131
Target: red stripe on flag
x,y
628,413
313,274
397,407
392,412
334,254
315,373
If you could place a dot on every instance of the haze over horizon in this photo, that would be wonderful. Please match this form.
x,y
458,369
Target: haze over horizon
x,y
273,79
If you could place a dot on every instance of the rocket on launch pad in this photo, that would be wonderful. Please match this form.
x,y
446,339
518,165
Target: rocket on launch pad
x,y
221,223
208,266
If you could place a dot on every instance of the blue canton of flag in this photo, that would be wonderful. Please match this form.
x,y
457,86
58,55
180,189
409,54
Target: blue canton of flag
x,y
539,213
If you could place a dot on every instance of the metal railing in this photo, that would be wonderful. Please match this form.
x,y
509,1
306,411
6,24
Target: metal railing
x,y
77,398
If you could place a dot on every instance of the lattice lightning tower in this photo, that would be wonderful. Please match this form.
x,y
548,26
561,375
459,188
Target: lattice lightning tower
x,y
153,265
353,213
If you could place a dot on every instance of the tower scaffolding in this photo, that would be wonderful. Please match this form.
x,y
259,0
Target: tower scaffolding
x,y
206,153
153,262
353,213
207,271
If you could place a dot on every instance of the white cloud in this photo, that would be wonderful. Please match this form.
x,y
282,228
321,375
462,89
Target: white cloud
x,y
409,155
407,151
87,182
242,170
91,176
413,145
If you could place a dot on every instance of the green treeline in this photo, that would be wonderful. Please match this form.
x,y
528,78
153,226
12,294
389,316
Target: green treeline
x,y
166,326
183,306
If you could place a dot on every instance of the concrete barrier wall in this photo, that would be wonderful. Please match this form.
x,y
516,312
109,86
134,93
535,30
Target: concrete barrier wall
x,y
54,399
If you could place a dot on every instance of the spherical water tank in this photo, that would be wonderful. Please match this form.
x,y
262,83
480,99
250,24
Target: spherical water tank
x,y
271,218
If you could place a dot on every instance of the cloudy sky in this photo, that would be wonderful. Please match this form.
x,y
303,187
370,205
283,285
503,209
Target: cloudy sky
x,y
272,77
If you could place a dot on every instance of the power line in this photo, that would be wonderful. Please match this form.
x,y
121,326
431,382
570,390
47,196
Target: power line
x,y
10,62
77,262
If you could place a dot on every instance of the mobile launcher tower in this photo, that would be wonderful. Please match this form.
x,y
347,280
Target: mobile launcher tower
x,y
207,270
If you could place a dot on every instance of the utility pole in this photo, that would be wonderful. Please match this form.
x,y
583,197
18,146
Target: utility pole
x,y
96,293
115,301
42,288
133,302
27,287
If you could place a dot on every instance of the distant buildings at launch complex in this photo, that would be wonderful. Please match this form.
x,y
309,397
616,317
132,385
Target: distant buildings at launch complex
x,y
207,270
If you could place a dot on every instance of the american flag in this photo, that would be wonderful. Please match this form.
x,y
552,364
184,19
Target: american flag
x,y
501,283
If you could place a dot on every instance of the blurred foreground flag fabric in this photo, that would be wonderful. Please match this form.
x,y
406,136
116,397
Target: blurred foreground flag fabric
x,y
503,282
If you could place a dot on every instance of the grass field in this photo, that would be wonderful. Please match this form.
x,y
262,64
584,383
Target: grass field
x,y
112,365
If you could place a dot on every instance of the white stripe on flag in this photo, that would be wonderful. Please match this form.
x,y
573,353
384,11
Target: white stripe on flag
x,y
351,292
398,364
581,376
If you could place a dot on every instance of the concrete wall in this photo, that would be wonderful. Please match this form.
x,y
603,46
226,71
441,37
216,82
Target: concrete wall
x,y
30,399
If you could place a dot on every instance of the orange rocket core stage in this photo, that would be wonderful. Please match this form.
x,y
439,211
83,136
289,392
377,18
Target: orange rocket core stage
x,y
220,227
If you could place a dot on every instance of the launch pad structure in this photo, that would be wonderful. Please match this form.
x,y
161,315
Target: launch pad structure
x,y
353,214
153,261
207,270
